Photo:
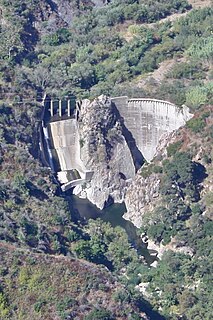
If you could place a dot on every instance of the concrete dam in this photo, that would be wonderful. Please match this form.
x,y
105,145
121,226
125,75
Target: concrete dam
x,y
148,120
145,122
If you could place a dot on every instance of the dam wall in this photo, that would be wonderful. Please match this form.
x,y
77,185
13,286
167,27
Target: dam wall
x,y
65,138
60,142
66,146
149,120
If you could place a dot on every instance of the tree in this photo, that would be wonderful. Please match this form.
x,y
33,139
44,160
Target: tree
x,y
4,310
11,43
99,314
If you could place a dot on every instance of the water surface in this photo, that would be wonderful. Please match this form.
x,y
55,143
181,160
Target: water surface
x,y
114,215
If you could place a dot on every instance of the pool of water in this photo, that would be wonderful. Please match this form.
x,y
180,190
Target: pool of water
x,y
114,215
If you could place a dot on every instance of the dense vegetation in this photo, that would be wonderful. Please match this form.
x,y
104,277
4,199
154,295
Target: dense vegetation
x,y
108,49
91,53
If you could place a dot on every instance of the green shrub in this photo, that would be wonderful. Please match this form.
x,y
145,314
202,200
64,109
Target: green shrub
x,y
157,169
63,305
202,48
209,198
149,169
156,231
81,141
39,304
173,148
99,314
208,228
211,131
121,296
4,310
196,125
192,70
145,173
195,97
195,208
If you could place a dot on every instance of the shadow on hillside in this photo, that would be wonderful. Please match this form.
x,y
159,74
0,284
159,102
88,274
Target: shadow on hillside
x,y
146,307
35,192
199,172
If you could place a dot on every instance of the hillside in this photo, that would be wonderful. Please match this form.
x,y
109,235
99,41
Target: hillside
x,y
37,286
54,265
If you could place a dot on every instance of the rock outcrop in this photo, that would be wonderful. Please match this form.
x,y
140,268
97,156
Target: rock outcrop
x,y
112,146
174,246
60,13
105,151
141,197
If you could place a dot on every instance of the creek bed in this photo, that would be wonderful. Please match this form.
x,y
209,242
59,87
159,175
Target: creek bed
x,y
114,215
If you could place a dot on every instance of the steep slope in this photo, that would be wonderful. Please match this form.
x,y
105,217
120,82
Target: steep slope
x,y
195,139
37,286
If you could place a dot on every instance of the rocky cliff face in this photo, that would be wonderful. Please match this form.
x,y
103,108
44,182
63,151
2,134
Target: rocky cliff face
x,y
105,151
53,14
143,195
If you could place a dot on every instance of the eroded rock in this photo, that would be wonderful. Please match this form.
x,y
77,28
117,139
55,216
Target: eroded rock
x,y
141,197
105,151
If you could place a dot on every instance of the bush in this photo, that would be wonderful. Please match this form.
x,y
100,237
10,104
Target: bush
x,y
187,70
63,305
196,125
39,304
121,296
4,311
148,170
173,148
196,97
157,169
99,314
155,231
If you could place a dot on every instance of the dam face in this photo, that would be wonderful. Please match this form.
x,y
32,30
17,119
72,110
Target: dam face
x,y
149,120
62,138
65,139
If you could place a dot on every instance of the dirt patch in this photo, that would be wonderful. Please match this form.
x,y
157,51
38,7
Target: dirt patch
x,y
159,74
200,3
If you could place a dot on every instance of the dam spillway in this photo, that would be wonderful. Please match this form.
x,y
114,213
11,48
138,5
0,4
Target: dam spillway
x,y
149,120
62,140
65,137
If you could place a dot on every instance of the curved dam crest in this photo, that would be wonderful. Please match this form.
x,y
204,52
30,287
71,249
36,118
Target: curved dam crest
x,y
97,147
149,120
